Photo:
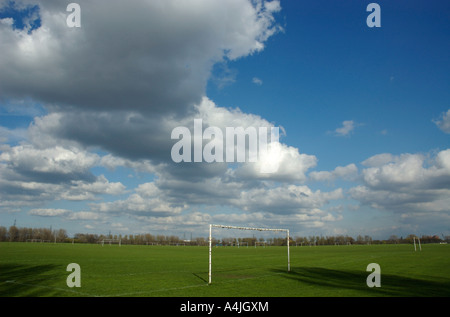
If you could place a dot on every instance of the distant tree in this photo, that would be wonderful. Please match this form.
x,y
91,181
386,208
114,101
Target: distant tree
x,y
61,235
393,239
13,234
359,239
3,234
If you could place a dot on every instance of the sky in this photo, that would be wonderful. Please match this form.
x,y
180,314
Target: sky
x,y
87,114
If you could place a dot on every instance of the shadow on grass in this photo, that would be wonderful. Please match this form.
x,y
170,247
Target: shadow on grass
x,y
21,280
391,285
199,277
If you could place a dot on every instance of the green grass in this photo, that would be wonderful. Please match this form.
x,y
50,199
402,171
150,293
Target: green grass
x,y
39,269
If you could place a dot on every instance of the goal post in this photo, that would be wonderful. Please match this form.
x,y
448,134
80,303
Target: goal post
x,y
111,241
245,228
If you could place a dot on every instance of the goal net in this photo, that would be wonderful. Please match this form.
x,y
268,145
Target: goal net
x,y
111,241
211,226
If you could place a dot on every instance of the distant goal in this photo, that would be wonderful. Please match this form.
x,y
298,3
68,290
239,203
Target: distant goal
x,y
211,226
110,242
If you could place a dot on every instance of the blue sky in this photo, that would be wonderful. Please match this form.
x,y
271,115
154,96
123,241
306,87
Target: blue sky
x,y
85,119
328,66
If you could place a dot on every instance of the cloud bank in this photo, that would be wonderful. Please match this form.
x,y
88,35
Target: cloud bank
x,y
114,89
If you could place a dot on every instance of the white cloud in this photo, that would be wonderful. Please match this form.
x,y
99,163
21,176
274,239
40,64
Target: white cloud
x,y
11,135
125,99
47,212
406,183
349,172
56,160
347,128
378,160
80,190
112,162
173,48
290,165
272,6
119,226
289,199
443,122
198,222
65,213
148,200
84,215
257,81
29,174
402,171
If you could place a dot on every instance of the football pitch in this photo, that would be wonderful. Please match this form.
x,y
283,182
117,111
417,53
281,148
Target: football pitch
x,y
40,270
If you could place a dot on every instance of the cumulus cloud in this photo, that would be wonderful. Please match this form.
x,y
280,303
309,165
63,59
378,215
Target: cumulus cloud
x,y
147,200
126,99
47,212
290,165
406,183
174,45
57,164
378,160
29,175
123,99
65,213
293,199
348,172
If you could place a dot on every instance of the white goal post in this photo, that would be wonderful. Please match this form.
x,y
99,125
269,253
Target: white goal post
x,y
245,228
111,241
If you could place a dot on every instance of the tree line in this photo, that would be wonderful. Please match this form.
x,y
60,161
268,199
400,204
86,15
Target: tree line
x,y
17,234
346,240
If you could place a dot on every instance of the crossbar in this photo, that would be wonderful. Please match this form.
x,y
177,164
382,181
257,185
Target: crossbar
x,y
245,228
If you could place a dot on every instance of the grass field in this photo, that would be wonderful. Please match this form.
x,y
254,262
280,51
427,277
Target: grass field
x,y
39,269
